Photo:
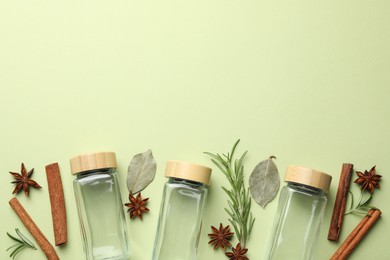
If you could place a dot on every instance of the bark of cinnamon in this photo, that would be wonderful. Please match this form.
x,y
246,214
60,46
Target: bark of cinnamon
x,y
357,235
57,203
340,203
42,241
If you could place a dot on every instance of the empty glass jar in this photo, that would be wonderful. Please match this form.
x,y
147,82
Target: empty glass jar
x,y
181,210
100,208
300,212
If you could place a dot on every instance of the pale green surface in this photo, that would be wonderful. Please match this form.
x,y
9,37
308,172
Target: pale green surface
x,y
306,81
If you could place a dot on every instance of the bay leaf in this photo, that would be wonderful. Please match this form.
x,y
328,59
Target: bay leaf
x,y
141,171
264,182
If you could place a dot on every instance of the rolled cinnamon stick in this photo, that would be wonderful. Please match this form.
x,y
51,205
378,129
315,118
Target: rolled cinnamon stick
x,y
57,203
45,245
357,235
341,202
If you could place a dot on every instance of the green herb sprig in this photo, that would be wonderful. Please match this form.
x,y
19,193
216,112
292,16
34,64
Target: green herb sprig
x,y
240,201
362,207
22,243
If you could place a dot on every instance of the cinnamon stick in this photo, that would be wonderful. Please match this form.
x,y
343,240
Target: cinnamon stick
x,y
45,245
341,202
357,235
57,203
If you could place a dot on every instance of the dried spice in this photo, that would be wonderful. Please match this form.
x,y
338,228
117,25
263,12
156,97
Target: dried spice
x,y
29,223
340,202
357,235
137,205
264,182
141,171
369,180
237,253
24,181
220,237
57,203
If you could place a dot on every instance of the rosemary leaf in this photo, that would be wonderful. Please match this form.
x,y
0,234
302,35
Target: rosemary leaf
x,y
25,239
230,194
16,251
11,247
14,238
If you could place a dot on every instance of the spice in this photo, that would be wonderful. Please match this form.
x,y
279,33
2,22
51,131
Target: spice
x,y
24,181
137,205
264,181
237,253
42,241
57,203
368,180
220,237
357,235
340,203
141,171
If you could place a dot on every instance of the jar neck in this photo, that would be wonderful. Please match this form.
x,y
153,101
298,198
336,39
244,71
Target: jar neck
x,y
305,188
186,182
95,171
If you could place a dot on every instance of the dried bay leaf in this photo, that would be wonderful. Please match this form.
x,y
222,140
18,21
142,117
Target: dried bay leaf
x,y
264,182
141,171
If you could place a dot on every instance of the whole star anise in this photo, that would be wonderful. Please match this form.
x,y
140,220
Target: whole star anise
x,y
368,180
23,181
220,237
237,253
137,205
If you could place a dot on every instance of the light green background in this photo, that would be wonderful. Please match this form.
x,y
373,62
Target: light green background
x,y
306,81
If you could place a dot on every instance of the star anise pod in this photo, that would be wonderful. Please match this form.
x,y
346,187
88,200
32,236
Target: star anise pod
x,y
137,205
24,181
220,237
368,180
237,253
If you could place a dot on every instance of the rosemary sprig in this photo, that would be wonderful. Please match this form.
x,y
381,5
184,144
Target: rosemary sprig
x,y
240,201
22,243
362,207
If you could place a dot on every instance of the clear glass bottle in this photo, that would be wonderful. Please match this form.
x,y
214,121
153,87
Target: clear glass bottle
x,y
181,210
99,205
300,212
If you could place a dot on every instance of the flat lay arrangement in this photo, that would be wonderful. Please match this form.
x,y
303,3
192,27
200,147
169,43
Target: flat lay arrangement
x,y
196,130
103,227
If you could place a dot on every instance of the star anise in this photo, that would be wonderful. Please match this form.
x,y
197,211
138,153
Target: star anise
x,y
237,253
220,237
24,181
137,205
368,180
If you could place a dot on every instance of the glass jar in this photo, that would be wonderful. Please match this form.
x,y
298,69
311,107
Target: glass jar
x,y
181,210
300,212
99,205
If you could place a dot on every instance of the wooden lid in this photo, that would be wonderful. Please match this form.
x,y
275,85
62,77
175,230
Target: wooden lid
x,y
92,161
308,177
188,171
